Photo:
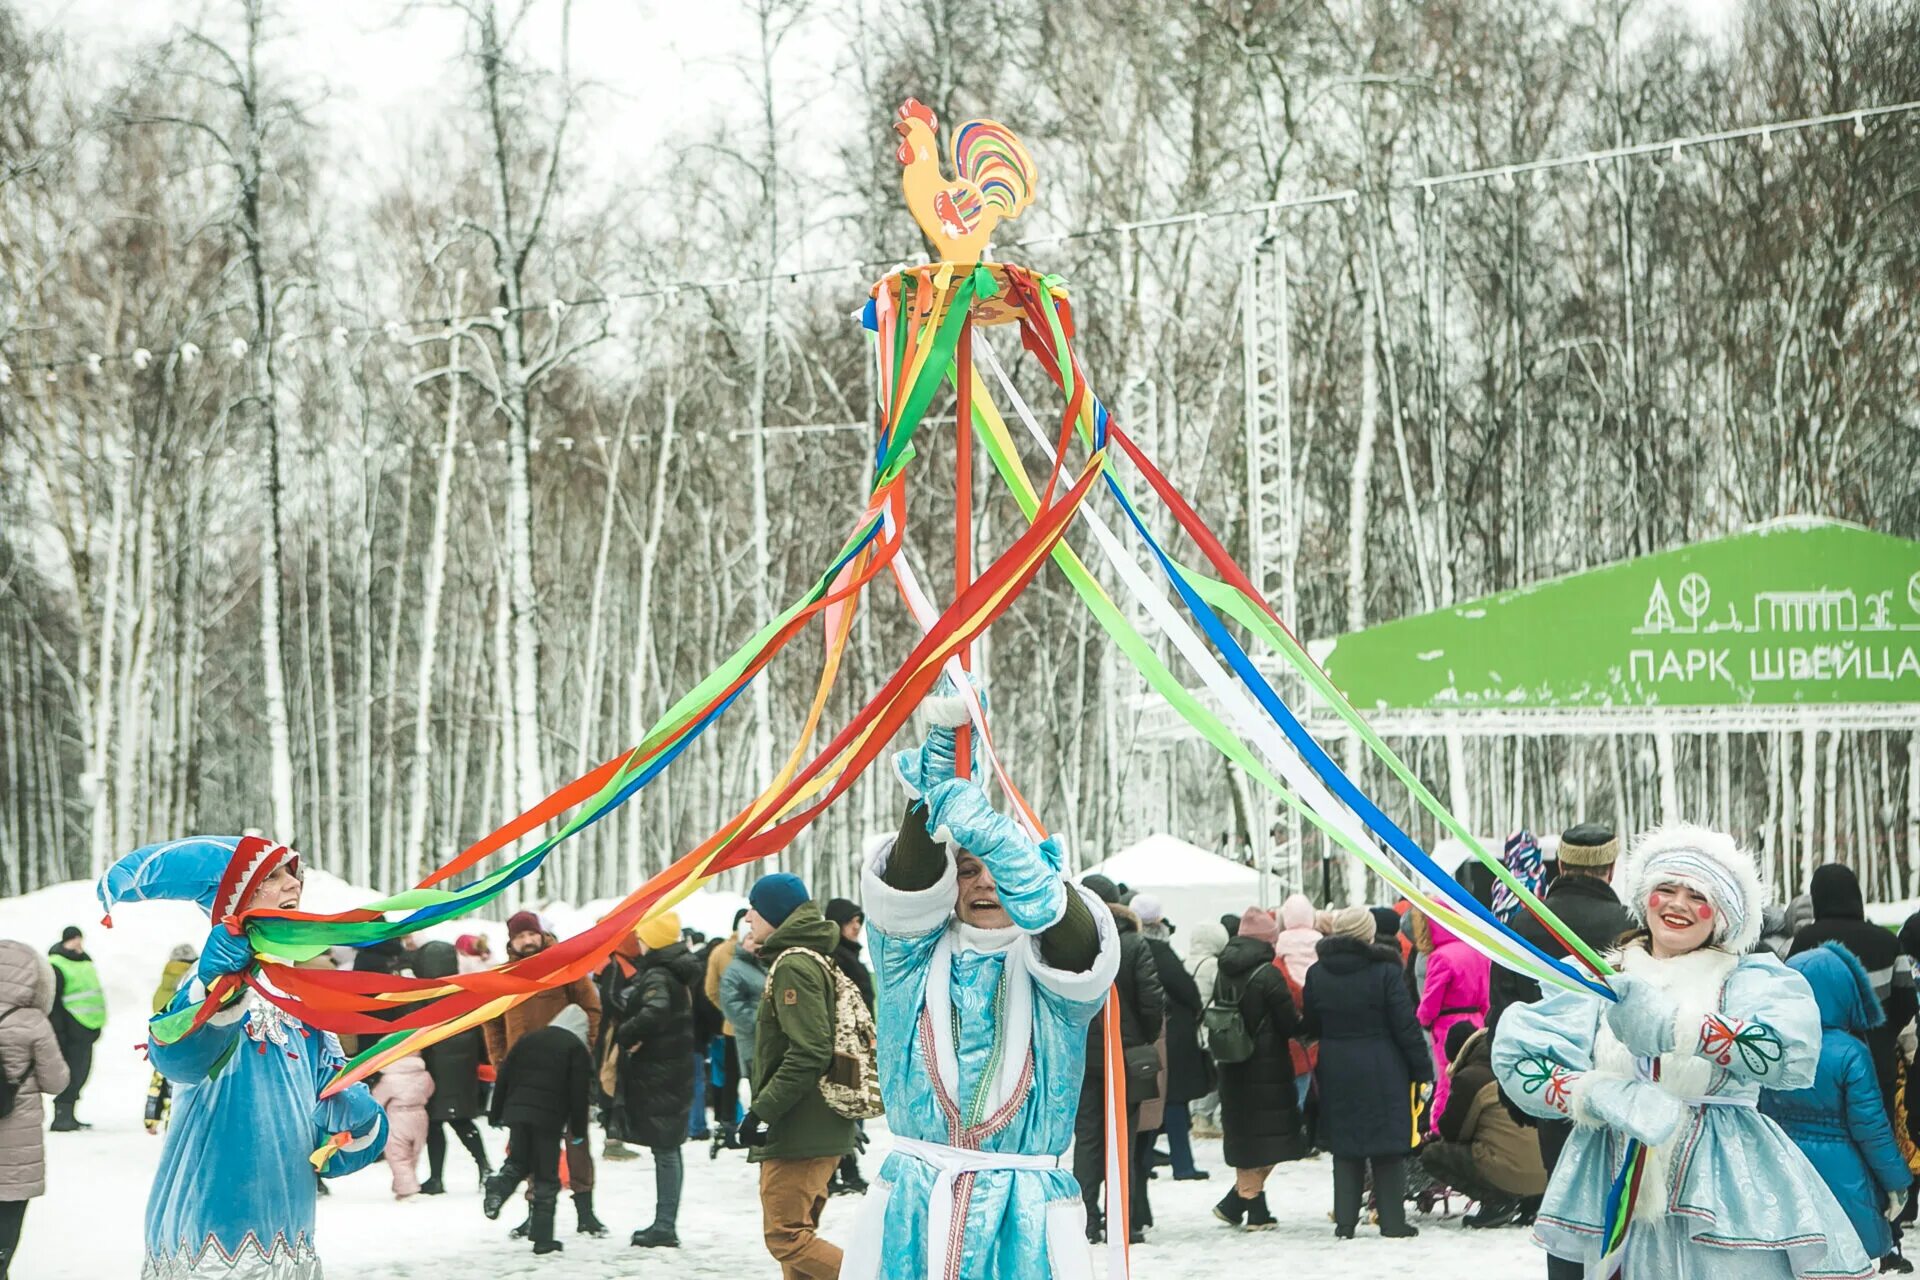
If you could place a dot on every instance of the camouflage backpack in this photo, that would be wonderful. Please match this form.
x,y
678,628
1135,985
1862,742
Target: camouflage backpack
x,y
851,1085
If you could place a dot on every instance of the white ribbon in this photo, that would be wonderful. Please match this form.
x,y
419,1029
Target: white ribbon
x,y
949,1165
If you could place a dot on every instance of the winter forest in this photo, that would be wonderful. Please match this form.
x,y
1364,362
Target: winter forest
x,y
368,522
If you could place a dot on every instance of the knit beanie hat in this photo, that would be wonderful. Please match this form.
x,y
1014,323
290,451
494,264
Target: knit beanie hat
x,y
1101,887
1258,923
1386,924
1353,922
777,896
1148,908
661,931
843,910
523,922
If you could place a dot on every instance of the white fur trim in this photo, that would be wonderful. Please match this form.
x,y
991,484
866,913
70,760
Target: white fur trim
x,y
901,912
945,711
1091,984
1689,1026
1636,881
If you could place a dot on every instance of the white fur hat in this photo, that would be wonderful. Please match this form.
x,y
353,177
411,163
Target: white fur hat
x,y
1707,861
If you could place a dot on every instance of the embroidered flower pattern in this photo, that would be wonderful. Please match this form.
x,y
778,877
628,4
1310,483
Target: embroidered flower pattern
x,y
1548,1079
1757,1043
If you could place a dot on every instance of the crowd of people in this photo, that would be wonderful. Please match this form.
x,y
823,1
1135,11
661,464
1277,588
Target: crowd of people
x,y
1757,1056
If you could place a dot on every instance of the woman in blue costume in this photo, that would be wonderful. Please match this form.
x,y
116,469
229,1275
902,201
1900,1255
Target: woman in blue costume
x,y
1702,1025
989,967
233,1198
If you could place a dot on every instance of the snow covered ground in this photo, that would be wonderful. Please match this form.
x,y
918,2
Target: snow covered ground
x,y
88,1227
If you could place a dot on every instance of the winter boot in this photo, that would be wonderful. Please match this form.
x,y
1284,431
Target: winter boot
x,y
618,1150
583,1211
486,1172
540,1227
1494,1213
1096,1228
847,1178
63,1121
1232,1209
495,1197
655,1238
523,1230
1258,1218
433,1187
1894,1264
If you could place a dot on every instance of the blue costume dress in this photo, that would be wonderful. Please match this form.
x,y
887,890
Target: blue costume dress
x,y
1726,1196
981,1048
234,1195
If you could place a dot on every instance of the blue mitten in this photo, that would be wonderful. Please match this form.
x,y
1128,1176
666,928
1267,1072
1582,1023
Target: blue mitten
x,y
1030,888
225,952
1637,1109
1642,1017
935,760
350,1111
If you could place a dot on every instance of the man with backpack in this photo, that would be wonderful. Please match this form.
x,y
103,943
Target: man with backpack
x,y
988,968
794,1135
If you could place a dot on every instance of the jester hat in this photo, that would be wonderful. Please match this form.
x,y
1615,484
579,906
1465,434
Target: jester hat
x,y
220,873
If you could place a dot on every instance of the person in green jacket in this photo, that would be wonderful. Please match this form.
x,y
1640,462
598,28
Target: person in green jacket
x,y
79,1011
796,1139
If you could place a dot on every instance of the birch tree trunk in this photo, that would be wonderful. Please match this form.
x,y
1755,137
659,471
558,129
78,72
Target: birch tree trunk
x,y
420,774
637,682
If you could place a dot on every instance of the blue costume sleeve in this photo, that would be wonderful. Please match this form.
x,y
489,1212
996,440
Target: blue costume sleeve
x,y
195,1057
1767,1029
1542,1047
1866,1118
936,760
1543,1058
1026,874
351,1111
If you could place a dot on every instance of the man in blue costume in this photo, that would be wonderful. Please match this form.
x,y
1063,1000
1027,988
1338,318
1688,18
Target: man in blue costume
x,y
234,1195
989,967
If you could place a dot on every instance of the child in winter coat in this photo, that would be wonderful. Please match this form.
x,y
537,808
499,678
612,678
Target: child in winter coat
x,y
540,1095
404,1090
1456,992
1838,1120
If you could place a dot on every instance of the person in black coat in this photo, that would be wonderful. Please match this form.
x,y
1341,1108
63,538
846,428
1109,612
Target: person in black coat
x,y
540,1096
1189,1073
1142,1008
653,1033
1371,1056
1259,1106
454,1064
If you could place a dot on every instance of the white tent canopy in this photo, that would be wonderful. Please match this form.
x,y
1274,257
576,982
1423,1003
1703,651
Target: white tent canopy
x,y
1193,885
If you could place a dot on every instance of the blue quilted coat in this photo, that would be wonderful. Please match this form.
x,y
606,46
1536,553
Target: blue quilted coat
x,y
1838,1120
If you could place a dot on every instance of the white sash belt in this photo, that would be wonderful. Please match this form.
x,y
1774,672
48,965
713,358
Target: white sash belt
x,y
948,1164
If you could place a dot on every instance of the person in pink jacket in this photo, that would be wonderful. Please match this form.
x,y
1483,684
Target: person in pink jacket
x,y
1456,991
404,1090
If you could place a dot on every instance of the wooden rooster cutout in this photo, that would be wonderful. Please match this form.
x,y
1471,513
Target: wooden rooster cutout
x,y
994,179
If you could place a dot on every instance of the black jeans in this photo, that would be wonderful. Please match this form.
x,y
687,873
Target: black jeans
x,y
1090,1158
78,1051
469,1135
11,1212
1452,1164
669,1174
533,1156
1389,1190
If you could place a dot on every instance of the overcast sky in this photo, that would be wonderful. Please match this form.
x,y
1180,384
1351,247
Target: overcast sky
x,y
661,66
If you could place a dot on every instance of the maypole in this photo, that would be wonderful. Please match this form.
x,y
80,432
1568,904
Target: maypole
x,y
923,323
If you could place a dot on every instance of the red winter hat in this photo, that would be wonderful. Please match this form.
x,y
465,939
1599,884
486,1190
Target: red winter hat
x,y
523,922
